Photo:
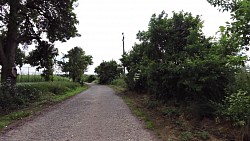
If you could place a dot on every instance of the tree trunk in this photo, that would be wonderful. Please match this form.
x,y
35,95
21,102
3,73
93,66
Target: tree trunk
x,y
8,49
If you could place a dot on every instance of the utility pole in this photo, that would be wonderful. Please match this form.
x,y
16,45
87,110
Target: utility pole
x,y
123,50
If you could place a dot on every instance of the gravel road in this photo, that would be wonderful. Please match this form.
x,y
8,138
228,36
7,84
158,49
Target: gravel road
x,y
94,115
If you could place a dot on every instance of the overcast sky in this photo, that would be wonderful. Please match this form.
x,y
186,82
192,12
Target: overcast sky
x,y
103,21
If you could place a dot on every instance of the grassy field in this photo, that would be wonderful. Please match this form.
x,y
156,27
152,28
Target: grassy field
x,y
38,78
51,93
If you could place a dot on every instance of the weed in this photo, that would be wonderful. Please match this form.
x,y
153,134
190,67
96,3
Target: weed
x,y
170,111
203,135
177,122
149,125
151,104
186,136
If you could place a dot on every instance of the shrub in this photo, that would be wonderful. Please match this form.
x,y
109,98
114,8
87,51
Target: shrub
x,y
186,136
91,78
119,82
237,107
14,97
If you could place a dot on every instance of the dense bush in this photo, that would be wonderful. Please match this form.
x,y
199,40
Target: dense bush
x,y
176,60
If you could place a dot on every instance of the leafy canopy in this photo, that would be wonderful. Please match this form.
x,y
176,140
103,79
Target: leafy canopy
x,y
176,60
44,58
76,63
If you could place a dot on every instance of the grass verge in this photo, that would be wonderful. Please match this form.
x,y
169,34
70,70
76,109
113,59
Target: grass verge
x,y
135,109
46,100
175,122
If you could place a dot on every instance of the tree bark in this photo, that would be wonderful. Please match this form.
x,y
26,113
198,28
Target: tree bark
x,y
8,49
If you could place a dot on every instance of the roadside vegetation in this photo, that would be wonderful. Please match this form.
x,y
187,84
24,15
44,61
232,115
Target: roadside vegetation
x,y
23,100
39,78
187,86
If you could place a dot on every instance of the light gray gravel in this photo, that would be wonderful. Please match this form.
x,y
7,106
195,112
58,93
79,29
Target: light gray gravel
x,y
94,115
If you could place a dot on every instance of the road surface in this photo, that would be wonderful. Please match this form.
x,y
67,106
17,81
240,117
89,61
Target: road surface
x,y
94,115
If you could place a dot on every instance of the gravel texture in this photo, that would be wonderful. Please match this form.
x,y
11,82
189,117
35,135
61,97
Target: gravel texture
x,y
94,115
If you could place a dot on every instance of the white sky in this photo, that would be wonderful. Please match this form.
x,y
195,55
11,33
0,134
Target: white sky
x,y
103,21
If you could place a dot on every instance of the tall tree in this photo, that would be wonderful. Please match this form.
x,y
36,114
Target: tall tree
x,y
27,21
76,64
44,58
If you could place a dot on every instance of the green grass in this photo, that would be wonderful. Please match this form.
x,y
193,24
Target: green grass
x,y
139,112
8,119
46,99
58,98
38,78
186,136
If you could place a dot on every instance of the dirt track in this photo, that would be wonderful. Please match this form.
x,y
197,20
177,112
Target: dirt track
x,y
94,115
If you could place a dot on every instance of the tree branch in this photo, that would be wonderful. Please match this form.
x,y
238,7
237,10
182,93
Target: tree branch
x,y
29,38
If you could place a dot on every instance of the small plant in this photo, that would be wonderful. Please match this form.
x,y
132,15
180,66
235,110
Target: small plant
x,y
152,104
149,124
19,115
186,136
178,122
170,111
203,135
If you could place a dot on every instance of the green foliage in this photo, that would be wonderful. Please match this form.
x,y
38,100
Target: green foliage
x,y
19,115
27,22
6,120
43,57
15,97
119,82
186,136
12,97
76,64
170,111
108,71
237,107
20,58
242,82
240,15
89,78
176,61
39,78
37,105
203,135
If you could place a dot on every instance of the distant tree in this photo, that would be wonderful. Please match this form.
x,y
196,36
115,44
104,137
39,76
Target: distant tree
x,y
91,78
29,21
108,71
76,63
44,58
